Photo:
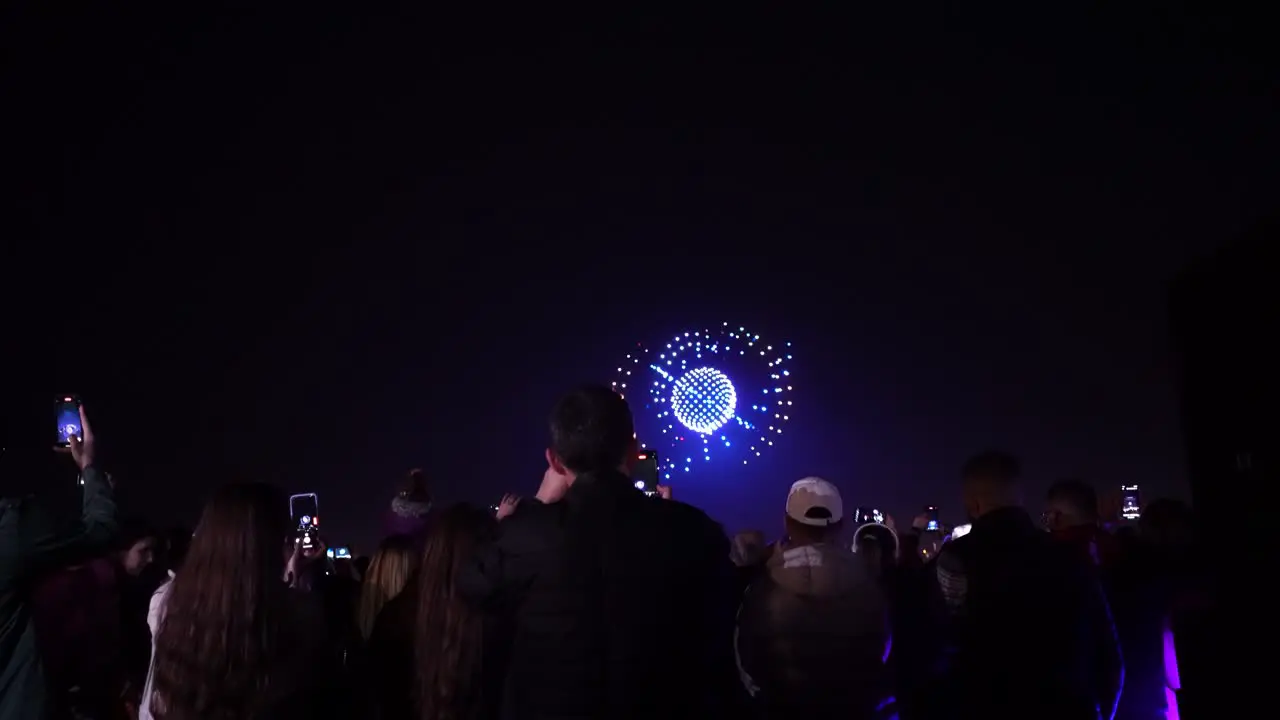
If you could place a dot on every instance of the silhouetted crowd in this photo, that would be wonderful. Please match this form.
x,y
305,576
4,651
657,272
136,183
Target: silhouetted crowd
x,y
594,599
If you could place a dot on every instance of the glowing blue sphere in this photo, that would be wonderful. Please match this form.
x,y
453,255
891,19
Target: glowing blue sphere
x,y
688,409
703,400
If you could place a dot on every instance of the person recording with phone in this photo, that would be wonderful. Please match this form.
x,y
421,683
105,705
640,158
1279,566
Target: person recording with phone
x,y
622,604
33,544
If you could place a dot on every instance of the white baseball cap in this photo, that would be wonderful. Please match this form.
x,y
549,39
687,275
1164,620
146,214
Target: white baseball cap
x,y
814,501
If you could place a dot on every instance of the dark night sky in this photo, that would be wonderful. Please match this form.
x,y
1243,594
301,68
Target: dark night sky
x,y
322,249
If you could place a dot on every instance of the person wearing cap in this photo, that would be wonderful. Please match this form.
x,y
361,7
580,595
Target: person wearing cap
x,y
813,632
877,543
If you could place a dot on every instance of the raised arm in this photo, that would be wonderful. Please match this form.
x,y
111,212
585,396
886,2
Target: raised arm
x,y
41,544
501,565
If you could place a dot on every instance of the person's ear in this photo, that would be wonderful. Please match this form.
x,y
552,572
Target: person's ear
x,y
629,462
555,463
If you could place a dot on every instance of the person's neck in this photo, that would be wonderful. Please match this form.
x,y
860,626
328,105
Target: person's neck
x,y
573,476
996,510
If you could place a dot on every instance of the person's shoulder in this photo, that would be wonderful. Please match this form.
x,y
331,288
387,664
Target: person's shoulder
x,y
952,556
687,525
395,619
684,516
532,512
162,592
532,518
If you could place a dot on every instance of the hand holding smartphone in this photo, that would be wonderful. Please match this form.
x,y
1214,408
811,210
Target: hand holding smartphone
x,y
73,434
67,415
304,508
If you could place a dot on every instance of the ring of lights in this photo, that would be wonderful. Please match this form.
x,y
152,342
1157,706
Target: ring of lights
x,y
722,394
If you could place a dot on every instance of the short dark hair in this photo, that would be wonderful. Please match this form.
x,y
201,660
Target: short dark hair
x,y
591,429
992,465
1077,495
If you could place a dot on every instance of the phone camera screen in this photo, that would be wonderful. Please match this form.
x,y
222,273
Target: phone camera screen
x,y
1131,507
644,470
864,515
67,415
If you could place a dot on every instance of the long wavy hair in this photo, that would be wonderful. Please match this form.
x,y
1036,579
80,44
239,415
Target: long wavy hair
x,y
448,632
389,571
216,652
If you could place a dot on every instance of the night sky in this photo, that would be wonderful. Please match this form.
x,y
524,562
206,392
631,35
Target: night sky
x,y
320,250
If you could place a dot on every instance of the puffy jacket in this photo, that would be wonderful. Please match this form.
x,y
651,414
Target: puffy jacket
x,y
621,604
31,543
813,635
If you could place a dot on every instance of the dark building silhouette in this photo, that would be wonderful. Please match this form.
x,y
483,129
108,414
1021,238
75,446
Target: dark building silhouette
x,y
1224,319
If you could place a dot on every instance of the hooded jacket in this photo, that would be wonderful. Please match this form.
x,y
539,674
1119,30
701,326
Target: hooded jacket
x,y
32,543
813,634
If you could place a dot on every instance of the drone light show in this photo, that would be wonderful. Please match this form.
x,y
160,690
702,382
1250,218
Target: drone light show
x,y
707,397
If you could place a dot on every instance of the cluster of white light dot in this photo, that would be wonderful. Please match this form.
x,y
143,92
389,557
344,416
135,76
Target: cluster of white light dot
x,y
699,384
703,400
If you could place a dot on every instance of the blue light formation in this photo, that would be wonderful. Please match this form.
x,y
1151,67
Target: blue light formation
x,y
708,395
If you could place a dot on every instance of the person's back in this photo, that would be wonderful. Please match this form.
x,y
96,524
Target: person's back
x,y
1136,592
619,619
622,603
813,630
1029,633
1141,599
1021,649
233,640
31,543
77,617
816,626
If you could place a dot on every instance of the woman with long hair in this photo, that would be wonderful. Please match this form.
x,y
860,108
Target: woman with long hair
x,y
429,649
234,641
389,571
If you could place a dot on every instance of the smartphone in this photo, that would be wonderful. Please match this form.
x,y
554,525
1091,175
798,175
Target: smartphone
x,y
303,504
66,413
1131,507
304,508
309,532
644,471
864,515
960,531
932,524
342,553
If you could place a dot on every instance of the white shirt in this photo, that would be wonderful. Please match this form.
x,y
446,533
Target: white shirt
x,y
155,615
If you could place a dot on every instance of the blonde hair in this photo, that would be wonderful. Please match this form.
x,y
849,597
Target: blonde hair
x,y
389,571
